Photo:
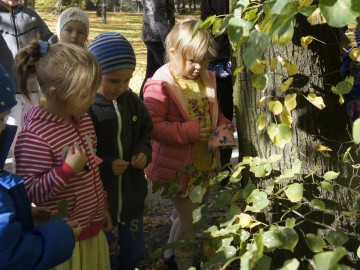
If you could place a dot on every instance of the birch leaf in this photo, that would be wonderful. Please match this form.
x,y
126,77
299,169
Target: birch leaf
x,y
305,41
275,107
273,64
261,122
318,102
259,82
286,118
285,85
258,67
261,102
290,102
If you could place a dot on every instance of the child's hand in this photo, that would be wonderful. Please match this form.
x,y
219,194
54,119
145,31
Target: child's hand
x,y
76,158
76,227
119,166
205,132
139,161
107,224
40,215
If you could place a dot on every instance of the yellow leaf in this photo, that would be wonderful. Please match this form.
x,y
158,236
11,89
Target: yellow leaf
x,y
290,68
273,64
316,18
244,220
305,41
305,3
258,67
275,107
286,118
322,149
341,100
354,54
285,85
262,102
261,122
318,102
290,102
238,70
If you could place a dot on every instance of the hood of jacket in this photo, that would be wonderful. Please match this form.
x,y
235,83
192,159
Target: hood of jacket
x,y
163,77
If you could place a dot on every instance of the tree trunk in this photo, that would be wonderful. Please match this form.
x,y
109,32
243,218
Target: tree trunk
x,y
318,70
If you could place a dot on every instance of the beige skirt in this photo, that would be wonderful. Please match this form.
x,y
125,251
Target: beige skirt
x,y
89,254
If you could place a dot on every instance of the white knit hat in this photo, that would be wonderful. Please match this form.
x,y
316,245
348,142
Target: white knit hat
x,y
72,14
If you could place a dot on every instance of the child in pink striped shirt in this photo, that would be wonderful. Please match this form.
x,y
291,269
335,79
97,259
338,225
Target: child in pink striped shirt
x,y
55,150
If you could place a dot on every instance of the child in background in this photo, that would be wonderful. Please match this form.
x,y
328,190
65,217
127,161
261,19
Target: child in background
x,y
181,99
221,64
23,246
59,134
123,128
73,27
19,25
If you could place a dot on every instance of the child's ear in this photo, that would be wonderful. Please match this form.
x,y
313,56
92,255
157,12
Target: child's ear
x,y
52,91
172,51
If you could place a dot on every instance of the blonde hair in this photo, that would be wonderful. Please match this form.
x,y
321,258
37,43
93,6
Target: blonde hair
x,y
71,69
198,47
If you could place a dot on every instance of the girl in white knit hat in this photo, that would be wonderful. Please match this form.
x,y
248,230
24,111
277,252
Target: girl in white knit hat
x,y
73,27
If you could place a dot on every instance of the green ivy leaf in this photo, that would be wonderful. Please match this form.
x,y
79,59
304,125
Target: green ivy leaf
x,y
296,166
295,192
289,237
279,134
272,240
339,13
207,23
290,222
344,86
330,175
316,244
291,264
356,131
62,209
337,238
329,259
283,35
259,201
238,29
318,204
325,185
259,82
358,252
255,46
197,194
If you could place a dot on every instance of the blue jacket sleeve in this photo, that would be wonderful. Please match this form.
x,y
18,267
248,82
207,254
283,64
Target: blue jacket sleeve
x,y
38,248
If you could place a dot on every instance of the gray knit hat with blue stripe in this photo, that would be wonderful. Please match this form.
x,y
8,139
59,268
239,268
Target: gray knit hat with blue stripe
x,y
7,91
113,51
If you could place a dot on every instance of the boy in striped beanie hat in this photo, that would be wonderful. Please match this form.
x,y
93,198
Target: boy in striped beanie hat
x,y
123,127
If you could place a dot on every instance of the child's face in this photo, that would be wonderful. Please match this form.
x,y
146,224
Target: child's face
x,y
192,68
2,120
11,3
115,83
74,32
80,105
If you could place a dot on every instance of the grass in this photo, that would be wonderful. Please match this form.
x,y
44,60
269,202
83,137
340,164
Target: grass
x,y
128,24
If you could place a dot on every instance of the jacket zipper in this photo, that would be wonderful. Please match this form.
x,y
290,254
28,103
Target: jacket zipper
x,y
15,28
120,151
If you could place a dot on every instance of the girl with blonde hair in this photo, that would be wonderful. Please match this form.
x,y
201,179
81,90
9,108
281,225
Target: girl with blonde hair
x,y
59,134
181,99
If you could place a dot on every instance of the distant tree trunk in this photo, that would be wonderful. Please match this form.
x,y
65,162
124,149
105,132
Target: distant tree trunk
x,y
318,69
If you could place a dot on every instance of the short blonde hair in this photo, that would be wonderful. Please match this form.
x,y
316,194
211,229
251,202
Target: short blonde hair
x,y
199,47
71,69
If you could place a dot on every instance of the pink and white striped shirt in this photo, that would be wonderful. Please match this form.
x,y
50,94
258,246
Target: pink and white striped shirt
x,y
40,152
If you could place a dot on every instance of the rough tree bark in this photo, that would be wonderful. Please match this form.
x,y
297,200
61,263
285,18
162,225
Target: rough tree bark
x,y
318,69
